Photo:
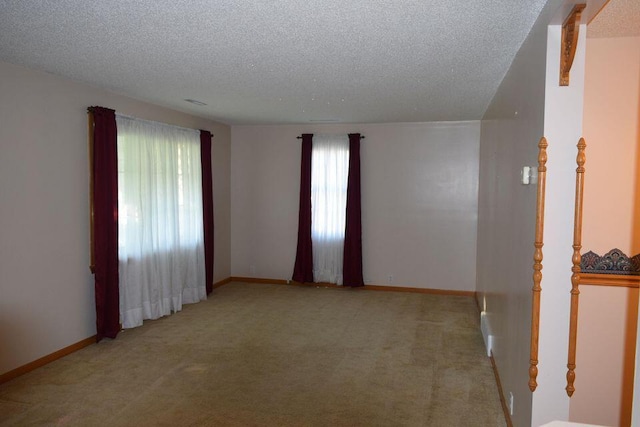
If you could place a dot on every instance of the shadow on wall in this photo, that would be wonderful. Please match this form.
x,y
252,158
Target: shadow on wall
x,y
629,360
632,301
635,240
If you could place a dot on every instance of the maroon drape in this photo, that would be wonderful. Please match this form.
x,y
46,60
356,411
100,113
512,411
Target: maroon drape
x,y
207,205
303,269
352,264
105,222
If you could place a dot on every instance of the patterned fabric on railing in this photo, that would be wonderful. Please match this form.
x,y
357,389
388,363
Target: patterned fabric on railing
x,y
613,262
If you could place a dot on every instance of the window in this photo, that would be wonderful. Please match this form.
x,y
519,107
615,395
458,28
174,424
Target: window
x,y
329,247
329,177
160,226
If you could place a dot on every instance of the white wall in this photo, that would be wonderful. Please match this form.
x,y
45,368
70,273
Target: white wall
x,y
563,129
528,105
419,201
511,129
46,290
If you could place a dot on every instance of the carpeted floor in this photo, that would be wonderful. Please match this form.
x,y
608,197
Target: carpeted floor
x,y
274,355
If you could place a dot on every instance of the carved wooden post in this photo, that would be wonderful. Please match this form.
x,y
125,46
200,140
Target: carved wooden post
x,y
575,277
537,263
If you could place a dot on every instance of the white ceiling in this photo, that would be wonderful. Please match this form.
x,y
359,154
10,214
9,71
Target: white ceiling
x,y
619,18
290,61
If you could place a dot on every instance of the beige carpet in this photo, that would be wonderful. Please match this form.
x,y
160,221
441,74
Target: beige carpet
x,y
275,355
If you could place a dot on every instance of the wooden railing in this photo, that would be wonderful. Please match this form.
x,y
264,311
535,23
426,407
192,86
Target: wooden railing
x,y
612,269
599,279
575,277
537,263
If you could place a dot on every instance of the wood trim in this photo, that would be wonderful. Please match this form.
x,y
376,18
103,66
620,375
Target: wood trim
x,y
476,297
8,376
222,282
537,263
416,290
261,280
575,276
595,279
503,401
365,287
569,42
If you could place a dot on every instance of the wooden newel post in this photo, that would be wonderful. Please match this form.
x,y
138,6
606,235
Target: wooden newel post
x,y
537,263
575,259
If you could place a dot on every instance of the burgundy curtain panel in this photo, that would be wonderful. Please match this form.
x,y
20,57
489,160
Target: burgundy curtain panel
x,y
207,205
105,222
303,269
352,264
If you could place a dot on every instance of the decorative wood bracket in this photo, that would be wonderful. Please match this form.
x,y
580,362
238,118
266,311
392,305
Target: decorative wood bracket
x,y
569,41
576,259
537,263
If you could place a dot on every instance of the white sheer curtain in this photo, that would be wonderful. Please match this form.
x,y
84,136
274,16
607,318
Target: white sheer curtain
x,y
161,240
329,176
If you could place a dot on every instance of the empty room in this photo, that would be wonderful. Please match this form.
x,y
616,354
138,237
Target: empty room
x,y
364,213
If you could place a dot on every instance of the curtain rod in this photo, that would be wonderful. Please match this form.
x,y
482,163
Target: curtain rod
x,y
300,137
90,110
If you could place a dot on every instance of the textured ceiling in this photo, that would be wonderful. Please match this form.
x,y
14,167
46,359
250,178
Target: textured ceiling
x,y
619,18
293,61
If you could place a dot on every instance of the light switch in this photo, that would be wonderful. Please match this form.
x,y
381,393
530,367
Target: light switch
x,y
526,175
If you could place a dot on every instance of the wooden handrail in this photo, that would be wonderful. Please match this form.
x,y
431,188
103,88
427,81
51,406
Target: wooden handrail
x,y
575,277
537,263
619,280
